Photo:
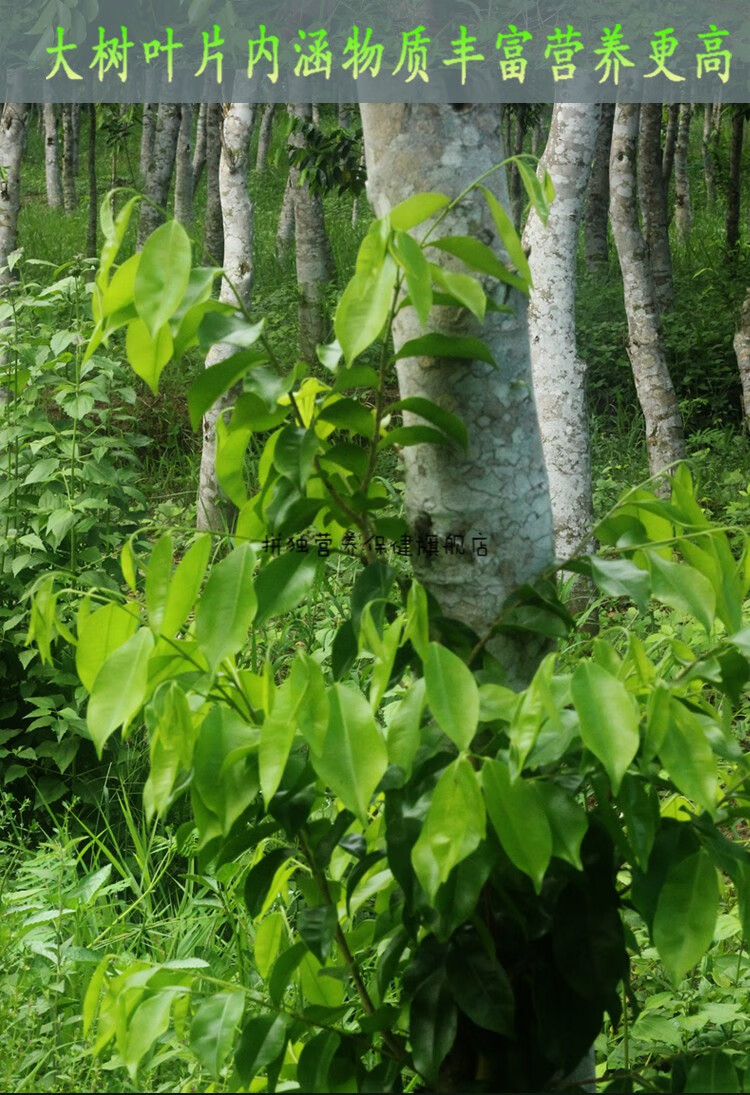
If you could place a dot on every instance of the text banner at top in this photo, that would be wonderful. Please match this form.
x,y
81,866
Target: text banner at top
x,y
383,51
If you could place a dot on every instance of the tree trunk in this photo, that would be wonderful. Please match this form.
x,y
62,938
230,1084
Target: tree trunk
x,y
734,188
345,116
742,351
708,143
313,251
76,133
70,198
596,248
160,170
213,228
682,211
51,158
664,438
653,201
670,140
264,136
183,180
213,509
285,231
12,134
199,152
315,115
91,248
516,188
498,490
148,129
558,373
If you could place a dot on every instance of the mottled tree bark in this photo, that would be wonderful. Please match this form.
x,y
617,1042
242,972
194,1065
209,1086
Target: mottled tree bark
x,y
51,158
285,230
708,143
313,253
70,198
264,136
558,372
498,489
214,511
148,129
670,140
656,395
653,201
183,178
596,249
12,135
199,152
734,188
742,351
213,228
160,170
683,215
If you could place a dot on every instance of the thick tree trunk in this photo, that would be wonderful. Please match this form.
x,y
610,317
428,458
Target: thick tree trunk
x,y
498,490
91,248
264,136
683,215
734,188
597,203
664,438
160,170
51,158
653,201
183,179
670,140
70,198
708,144
213,228
558,373
213,509
199,152
12,134
313,252
148,129
742,350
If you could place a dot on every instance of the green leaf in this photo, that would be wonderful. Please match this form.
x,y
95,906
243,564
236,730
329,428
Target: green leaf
x,y
268,938
114,234
447,346
683,588
283,584
712,1072
295,454
219,378
315,1061
433,1023
317,927
538,193
283,971
480,985
148,354
453,827
120,688
103,632
351,415
411,212
300,703
147,1023
227,607
120,291
687,755
230,329
353,758
408,254
452,694
621,578
259,879
185,585
158,574
231,447
413,435
465,288
263,1039
608,717
450,424
480,257
403,732
363,309
567,820
163,275
510,238
686,914
213,1029
520,820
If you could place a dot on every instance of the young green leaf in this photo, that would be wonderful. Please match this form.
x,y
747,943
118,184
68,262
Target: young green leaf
x,y
212,1030
227,607
454,826
119,688
452,694
163,275
686,914
353,757
609,719
519,818
411,212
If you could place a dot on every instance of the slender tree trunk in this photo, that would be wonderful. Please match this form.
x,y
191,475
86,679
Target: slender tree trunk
x,y
70,198
670,140
91,248
148,129
12,134
734,188
742,351
558,372
285,230
596,248
315,115
708,142
264,136
664,438
183,183
498,490
213,228
682,210
160,170
214,511
653,201
199,152
313,251
76,133
51,158
345,115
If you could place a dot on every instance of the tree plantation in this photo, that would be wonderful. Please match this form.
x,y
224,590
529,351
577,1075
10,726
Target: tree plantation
x,y
374,597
